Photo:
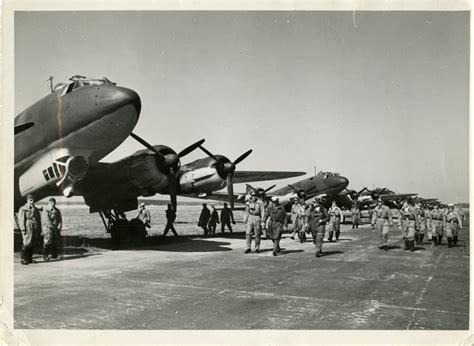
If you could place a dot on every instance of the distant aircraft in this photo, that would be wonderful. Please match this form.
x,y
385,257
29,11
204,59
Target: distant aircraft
x,y
60,140
367,198
323,183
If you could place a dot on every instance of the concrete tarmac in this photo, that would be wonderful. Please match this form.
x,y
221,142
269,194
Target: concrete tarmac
x,y
209,283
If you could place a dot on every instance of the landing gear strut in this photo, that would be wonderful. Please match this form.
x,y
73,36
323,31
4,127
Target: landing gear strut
x,y
124,233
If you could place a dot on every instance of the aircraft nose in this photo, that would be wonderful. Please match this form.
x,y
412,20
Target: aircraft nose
x,y
114,98
127,96
341,182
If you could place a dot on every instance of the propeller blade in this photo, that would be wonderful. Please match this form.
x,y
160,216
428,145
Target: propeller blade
x,y
271,187
146,145
172,188
208,153
364,189
191,148
242,157
230,190
294,188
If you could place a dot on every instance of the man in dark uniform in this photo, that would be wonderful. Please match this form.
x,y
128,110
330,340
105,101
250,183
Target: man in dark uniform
x,y
52,223
30,225
316,218
254,212
226,217
213,221
204,219
170,218
277,222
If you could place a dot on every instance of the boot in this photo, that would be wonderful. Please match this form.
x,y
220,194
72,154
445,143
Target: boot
x,y
46,252
450,242
412,245
337,235
330,236
435,240
23,256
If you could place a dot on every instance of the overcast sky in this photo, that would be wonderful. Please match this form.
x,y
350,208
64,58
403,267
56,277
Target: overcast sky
x,y
381,97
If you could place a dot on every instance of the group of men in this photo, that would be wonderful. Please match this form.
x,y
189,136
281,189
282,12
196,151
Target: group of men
x,y
208,220
35,223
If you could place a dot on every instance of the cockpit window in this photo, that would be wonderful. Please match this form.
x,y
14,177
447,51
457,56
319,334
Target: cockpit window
x,y
80,81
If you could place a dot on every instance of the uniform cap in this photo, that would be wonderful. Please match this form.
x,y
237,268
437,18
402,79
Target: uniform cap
x,y
450,205
275,199
30,196
379,200
52,199
142,204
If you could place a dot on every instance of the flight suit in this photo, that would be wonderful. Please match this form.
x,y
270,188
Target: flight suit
x,y
420,225
382,220
300,214
334,222
204,219
426,214
293,216
457,226
408,218
355,212
170,218
316,219
452,220
51,231
254,212
213,221
277,221
436,217
29,219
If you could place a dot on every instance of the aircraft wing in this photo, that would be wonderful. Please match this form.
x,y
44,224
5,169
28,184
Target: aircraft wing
x,y
250,176
397,196
217,196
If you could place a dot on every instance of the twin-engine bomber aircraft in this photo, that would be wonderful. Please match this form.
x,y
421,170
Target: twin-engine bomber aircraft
x,y
60,140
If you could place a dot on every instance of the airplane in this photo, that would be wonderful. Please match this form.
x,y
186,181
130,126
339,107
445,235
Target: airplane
x,y
366,198
323,183
60,140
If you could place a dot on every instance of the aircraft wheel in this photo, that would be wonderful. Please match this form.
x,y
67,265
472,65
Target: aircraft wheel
x,y
137,231
119,233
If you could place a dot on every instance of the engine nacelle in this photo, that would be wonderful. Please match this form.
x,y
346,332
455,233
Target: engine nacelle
x,y
147,177
203,179
55,169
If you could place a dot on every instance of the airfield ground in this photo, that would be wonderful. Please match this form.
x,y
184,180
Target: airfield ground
x,y
209,283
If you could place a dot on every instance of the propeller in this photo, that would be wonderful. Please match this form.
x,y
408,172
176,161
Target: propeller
x,y
299,192
169,164
225,169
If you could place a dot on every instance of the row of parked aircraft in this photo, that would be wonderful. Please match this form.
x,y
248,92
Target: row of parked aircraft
x,y
61,139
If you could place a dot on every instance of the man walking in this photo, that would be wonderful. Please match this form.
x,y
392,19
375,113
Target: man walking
x,y
254,212
382,221
226,218
170,218
204,219
316,219
277,221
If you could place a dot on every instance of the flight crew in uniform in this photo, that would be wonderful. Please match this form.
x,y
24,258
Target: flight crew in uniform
x,y
277,221
51,223
451,221
29,219
254,212
170,218
226,217
334,221
300,220
382,221
144,215
458,226
436,220
267,205
213,221
293,216
426,214
204,219
355,213
408,218
420,224
316,218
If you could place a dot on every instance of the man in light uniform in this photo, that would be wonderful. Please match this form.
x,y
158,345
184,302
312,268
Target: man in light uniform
x,y
144,215
277,222
52,223
355,213
426,214
382,221
436,219
408,218
293,216
334,221
458,226
29,219
452,221
254,211
300,220
316,218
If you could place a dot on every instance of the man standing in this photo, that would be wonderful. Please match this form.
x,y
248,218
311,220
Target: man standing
x,y
254,212
293,216
277,221
355,213
316,219
30,225
382,221
213,221
334,221
204,219
420,225
144,215
436,219
51,231
408,217
226,217
452,221
300,219
170,218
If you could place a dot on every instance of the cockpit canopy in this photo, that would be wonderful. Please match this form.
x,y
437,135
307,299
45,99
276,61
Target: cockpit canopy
x,y
328,174
77,82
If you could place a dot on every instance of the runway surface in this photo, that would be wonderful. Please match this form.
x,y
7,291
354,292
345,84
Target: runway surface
x,y
209,283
